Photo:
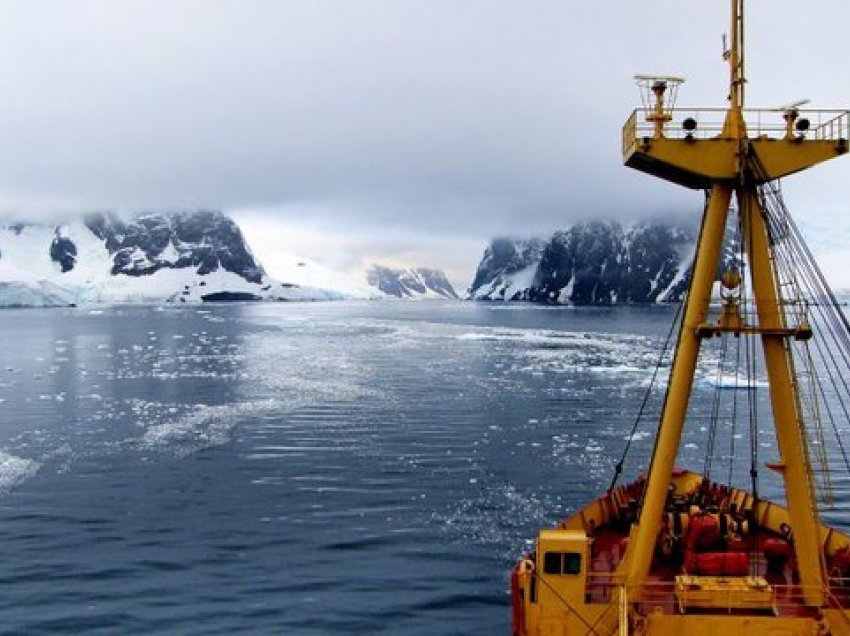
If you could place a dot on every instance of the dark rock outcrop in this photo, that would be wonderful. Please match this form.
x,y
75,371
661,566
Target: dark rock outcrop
x,y
410,283
221,297
63,251
589,263
503,260
205,240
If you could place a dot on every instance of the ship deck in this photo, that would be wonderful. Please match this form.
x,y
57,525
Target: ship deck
x,y
755,536
659,591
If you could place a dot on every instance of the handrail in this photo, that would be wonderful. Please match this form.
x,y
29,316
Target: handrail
x,y
624,611
630,133
835,604
833,129
825,125
786,598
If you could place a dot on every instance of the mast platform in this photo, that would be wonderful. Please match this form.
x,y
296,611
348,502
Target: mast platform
x,y
693,151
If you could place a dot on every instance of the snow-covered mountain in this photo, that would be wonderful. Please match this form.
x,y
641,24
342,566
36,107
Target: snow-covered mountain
x,y
179,257
419,282
589,263
310,273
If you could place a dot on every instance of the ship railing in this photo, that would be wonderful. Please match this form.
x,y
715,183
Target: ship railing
x,y
630,135
834,128
824,125
623,611
660,597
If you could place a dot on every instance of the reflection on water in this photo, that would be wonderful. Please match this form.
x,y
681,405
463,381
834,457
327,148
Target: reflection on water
x,y
309,468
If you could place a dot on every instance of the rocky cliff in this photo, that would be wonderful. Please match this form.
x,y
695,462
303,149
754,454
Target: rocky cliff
x,y
589,263
205,241
179,257
420,282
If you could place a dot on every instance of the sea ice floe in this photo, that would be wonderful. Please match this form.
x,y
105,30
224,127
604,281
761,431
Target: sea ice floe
x,y
205,426
14,470
734,381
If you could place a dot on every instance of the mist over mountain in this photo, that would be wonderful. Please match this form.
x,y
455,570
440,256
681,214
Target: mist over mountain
x,y
418,282
596,262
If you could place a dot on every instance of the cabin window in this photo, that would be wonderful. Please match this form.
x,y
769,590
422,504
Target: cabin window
x,y
552,563
562,563
572,563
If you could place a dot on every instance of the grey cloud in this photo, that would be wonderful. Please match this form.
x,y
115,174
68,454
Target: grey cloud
x,y
474,118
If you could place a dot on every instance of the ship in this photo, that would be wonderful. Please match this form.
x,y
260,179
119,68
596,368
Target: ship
x,y
681,551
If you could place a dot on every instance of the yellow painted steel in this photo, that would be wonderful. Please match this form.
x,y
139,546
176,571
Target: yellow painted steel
x,y
789,432
719,625
642,542
568,613
724,592
561,596
735,56
722,164
698,163
693,163
783,157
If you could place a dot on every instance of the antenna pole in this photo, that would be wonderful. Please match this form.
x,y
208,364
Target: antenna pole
x,y
736,56
735,126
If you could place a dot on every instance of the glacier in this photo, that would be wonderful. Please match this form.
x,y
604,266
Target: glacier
x,y
181,257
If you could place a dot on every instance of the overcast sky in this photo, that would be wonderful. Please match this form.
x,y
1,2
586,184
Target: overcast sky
x,y
400,131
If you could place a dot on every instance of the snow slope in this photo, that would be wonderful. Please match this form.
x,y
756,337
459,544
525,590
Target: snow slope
x,y
183,257
598,262
411,283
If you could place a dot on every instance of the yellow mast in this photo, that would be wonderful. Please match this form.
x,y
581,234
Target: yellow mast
x,y
735,128
723,165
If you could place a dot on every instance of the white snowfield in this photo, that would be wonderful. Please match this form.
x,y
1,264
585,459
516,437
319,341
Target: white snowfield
x,y
30,278
308,273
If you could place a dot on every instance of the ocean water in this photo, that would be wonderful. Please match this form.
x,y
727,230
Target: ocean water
x,y
327,468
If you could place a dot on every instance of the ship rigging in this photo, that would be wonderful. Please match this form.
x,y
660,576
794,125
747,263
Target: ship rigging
x,y
681,551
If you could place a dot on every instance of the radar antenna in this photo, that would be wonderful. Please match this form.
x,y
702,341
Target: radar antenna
x,y
792,106
653,89
793,121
